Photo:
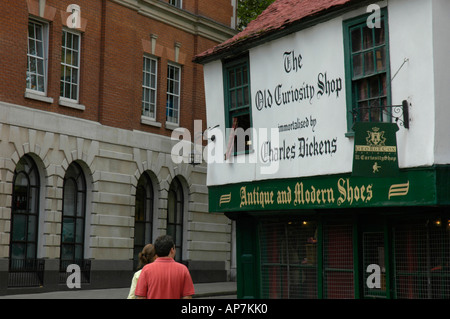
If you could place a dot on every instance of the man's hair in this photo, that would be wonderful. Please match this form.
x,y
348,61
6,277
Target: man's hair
x,y
163,245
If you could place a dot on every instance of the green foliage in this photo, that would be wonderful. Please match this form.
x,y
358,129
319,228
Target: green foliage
x,y
248,10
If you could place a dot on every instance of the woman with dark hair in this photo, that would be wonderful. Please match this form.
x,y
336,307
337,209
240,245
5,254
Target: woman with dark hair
x,y
146,256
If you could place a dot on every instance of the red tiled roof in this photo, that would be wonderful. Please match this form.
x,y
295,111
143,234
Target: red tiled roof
x,y
278,16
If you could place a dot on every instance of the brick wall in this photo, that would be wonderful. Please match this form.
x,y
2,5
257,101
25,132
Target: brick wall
x,y
114,40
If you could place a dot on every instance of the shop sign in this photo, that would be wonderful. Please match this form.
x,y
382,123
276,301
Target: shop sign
x,y
337,191
375,151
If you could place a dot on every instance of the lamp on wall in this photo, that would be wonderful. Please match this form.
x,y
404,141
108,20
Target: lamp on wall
x,y
195,158
398,112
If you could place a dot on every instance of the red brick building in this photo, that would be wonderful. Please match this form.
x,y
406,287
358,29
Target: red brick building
x,y
90,93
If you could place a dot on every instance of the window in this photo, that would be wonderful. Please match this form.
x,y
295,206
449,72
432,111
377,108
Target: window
x,y
237,102
25,210
37,57
288,259
367,70
149,77
143,216
338,268
173,94
24,268
175,212
70,65
421,266
176,3
74,212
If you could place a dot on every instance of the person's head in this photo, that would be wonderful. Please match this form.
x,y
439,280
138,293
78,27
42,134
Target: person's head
x,y
164,245
147,255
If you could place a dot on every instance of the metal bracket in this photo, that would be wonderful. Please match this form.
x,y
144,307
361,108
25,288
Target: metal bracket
x,y
398,112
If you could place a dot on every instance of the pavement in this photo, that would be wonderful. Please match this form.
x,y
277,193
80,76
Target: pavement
x,y
216,290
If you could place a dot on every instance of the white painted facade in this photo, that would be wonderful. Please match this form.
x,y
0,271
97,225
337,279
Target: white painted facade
x,y
418,32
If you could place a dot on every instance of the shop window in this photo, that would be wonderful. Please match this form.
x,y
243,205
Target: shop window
x,y
24,268
374,256
367,70
237,104
143,226
288,259
422,260
175,215
338,261
73,223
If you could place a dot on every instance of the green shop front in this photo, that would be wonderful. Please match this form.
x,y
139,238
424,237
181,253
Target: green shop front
x,y
341,236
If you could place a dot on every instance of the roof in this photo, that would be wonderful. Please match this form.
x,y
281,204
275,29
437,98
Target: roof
x,y
279,16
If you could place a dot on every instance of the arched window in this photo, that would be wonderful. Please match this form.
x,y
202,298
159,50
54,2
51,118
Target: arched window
x,y
143,216
25,210
24,266
74,214
175,211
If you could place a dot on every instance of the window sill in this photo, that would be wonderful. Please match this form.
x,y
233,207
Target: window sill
x,y
35,95
350,134
149,121
71,103
171,126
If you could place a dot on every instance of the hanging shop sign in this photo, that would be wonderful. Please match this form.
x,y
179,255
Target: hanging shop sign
x,y
410,188
375,151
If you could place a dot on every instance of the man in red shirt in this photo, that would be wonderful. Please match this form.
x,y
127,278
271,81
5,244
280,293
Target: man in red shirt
x,y
164,278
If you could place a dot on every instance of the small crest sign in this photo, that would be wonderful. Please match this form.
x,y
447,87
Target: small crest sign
x,y
375,152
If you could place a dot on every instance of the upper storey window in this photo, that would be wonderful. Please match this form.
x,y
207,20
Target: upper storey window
x,y
367,70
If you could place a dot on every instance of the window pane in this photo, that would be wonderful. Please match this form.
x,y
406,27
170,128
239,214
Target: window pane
x,y
374,86
240,97
245,75
31,30
238,77
368,63
356,40
367,37
79,230
233,102
357,65
231,78
67,252
31,250
18,251
139,231
380,59
78,252
68,231
379,34
69,198
31,47
38,32
40,67
19,227
32,223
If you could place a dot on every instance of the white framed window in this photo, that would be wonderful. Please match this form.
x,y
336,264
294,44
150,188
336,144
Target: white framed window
x,y
149,87
173,94
70,65
37,57
176,3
